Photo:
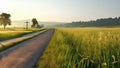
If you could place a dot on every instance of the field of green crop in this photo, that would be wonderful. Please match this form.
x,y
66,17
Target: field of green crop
x,y
82,48
9,34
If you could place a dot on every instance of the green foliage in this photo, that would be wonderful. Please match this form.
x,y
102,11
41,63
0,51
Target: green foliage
x,y
5,19
35,24
83,48
95,23
9,34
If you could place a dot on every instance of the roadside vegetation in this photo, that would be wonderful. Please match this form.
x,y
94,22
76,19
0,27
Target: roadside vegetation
x,y
9,33
82,48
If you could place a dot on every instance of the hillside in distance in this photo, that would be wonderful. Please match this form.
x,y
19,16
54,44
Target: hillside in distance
x,y
103,22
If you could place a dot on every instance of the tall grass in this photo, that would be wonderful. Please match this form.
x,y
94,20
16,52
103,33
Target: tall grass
x,y
82,48
9,34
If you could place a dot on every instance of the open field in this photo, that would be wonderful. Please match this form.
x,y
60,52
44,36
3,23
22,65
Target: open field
x,y
13,33
82,48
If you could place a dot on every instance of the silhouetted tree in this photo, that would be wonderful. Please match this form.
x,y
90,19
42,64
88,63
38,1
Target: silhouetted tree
x,y
35,22
5,19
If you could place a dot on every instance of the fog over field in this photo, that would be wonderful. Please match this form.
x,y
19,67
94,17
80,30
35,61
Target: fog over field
x,y
21,23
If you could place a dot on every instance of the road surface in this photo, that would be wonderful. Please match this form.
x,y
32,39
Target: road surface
x,y
28,53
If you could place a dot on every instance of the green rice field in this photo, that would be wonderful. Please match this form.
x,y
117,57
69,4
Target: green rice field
x,y
82,48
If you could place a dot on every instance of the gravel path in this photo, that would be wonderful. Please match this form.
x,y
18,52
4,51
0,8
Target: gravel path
x,y
28,53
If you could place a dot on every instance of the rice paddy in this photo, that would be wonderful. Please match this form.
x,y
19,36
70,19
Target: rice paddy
x,y
82,48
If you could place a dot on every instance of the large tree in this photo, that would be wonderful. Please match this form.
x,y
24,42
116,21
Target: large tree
x,y
5,19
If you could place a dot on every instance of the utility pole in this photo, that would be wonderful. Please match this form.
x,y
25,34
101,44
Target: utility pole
x,y
27,24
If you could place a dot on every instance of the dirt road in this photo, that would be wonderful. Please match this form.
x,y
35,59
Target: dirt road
x,y
28,53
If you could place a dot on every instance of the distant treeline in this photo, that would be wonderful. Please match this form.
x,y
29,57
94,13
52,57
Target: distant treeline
x,y
97,23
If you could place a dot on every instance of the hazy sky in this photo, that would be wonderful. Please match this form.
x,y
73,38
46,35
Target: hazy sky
x,y
60,10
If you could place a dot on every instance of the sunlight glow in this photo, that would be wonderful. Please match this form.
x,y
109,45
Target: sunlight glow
x,y
60,10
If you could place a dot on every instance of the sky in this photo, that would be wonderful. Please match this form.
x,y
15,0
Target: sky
x,y
60,10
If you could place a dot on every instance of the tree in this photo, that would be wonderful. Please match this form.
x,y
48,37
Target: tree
x,y
5,19
35,22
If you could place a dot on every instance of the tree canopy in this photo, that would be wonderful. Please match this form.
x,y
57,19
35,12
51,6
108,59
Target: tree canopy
x,y
35,23
5,19
97,23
